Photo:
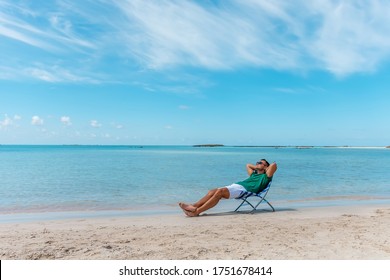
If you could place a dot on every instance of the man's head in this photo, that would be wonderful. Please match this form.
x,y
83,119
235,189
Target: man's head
x,y
263,162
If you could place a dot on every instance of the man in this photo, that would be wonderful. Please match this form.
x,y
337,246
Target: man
x,y
259,177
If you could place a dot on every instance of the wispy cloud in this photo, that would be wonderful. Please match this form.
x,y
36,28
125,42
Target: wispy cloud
x,y
307,89
353,36
117,125
286,90
61,37
184,107
341,37
45,26
56,73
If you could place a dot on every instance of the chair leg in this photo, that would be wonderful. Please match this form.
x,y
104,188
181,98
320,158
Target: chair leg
x,y
254,208
263,199
273,209
239,205
243,201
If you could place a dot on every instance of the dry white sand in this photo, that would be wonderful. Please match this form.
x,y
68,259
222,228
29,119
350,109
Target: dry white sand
x,y
352,232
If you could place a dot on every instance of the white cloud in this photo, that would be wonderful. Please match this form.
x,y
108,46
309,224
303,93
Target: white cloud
x,y
36,120
116,125
9,122
65,120
95,123
6,122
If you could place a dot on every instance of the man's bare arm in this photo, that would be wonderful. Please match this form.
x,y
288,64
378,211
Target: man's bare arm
x,y
271,169
250,168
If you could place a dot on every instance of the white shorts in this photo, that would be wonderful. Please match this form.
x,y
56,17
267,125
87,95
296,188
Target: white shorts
x,y
235,190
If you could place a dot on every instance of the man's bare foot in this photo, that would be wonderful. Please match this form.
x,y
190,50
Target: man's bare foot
x,y
187,207
190,214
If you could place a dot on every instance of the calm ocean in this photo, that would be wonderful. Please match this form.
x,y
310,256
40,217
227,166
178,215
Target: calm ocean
x,y
37,180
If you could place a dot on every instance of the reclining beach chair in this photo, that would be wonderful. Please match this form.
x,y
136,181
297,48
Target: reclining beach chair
x,y
261,195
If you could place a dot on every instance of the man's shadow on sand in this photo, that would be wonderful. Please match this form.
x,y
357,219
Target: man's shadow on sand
x,y
248,212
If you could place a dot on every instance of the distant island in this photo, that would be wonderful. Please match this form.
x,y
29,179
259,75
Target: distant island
x,y
209,145
282,146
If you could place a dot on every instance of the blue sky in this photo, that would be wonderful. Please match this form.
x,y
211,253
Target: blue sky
x,y
189,72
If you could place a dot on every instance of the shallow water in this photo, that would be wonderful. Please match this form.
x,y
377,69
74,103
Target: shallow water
x,y
153,178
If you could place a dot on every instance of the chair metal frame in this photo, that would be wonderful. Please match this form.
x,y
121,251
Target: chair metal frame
x,y
261,195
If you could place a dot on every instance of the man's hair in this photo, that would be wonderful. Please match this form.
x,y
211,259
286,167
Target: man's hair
x,y
265,161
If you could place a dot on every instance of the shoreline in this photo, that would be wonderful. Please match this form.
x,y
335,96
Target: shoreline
x,y
342,232
227,206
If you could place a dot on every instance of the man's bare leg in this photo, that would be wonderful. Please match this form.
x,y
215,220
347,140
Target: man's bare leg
x,y
203,200
206,198
217,196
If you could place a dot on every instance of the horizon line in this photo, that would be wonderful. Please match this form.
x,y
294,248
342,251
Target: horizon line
x,y
212,145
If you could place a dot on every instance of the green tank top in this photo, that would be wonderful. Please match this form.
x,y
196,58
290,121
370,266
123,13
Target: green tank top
x,y
256,182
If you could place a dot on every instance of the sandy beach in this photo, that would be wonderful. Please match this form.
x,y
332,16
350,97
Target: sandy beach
x,y
349,232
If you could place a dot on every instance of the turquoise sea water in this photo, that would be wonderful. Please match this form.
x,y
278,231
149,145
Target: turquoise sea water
x,y
140,179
